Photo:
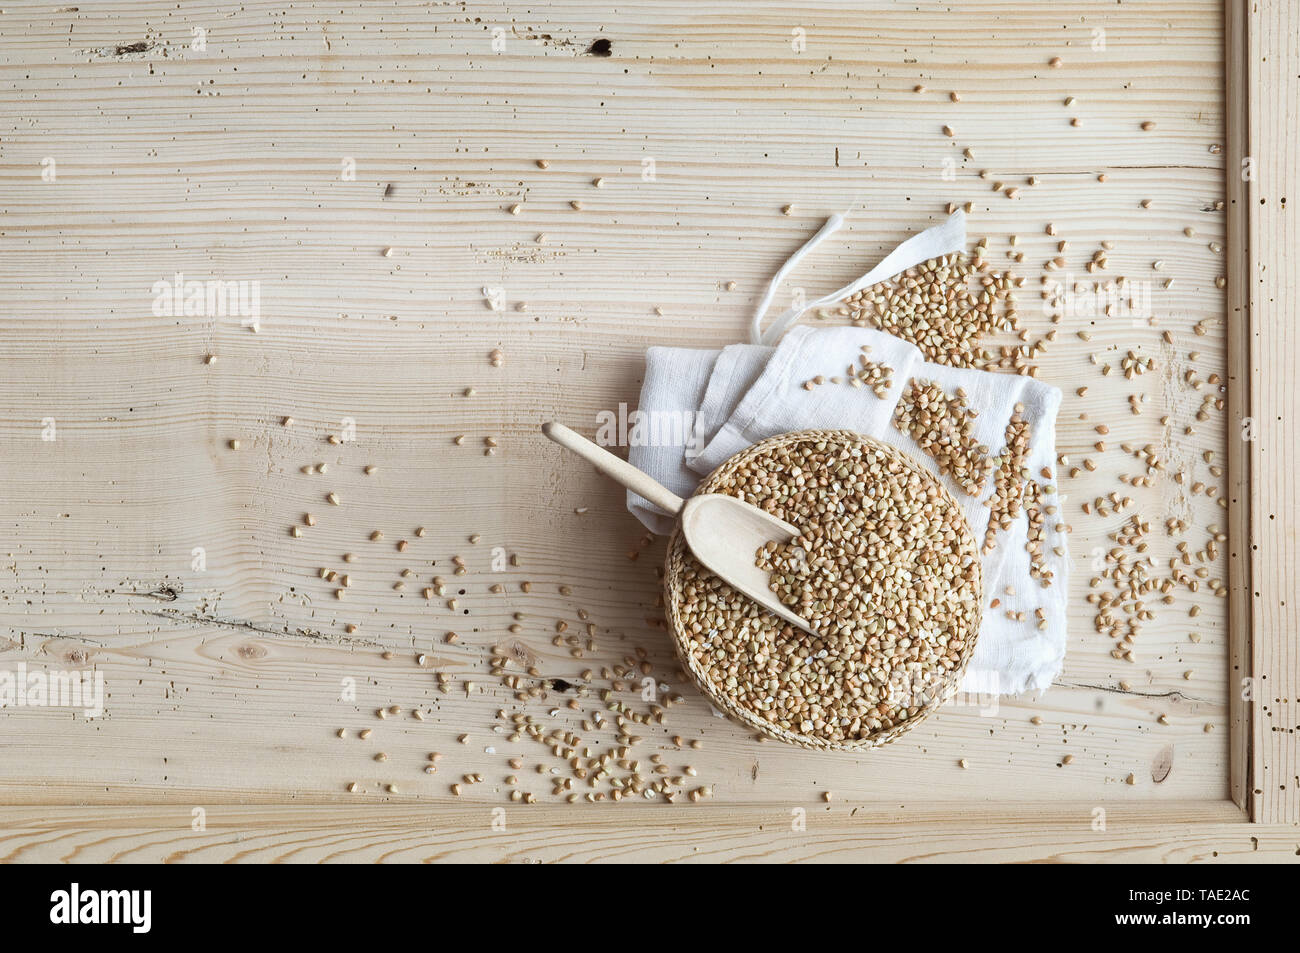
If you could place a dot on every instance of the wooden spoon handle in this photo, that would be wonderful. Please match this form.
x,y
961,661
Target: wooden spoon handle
x,y
616,468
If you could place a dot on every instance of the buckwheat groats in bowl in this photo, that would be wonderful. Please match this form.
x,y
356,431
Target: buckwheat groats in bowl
x,y
886,571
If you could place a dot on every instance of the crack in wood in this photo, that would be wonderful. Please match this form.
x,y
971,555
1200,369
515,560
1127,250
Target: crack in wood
x,y
1116,690
194,618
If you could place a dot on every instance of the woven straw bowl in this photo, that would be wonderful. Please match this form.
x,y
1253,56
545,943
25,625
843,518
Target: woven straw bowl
x,y
678,554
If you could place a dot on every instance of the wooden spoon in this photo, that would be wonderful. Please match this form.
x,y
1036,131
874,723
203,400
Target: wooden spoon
x,y
722,531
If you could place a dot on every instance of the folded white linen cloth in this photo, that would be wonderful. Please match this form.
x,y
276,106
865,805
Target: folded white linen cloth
x,y
735,397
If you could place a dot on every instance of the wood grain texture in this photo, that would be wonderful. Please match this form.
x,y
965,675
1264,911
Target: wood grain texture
x,y
1238,79
1066,833
1268,427
229,163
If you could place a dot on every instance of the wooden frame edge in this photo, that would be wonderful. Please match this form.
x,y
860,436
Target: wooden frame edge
x,y
1263,169
1241,770
1053,832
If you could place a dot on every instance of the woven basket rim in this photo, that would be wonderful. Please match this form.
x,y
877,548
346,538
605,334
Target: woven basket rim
x,y
673,565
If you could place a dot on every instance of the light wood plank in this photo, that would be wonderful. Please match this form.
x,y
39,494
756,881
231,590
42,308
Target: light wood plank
x,y
1238,79
831,833
1273,31
226,163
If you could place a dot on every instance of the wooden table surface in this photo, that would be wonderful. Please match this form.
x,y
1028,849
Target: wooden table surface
x,y
360,163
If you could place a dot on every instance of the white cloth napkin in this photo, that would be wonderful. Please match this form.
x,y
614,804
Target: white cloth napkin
x,y
720,402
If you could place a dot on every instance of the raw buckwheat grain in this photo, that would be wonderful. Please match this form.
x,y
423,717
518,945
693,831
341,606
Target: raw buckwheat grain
x,y
885,570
